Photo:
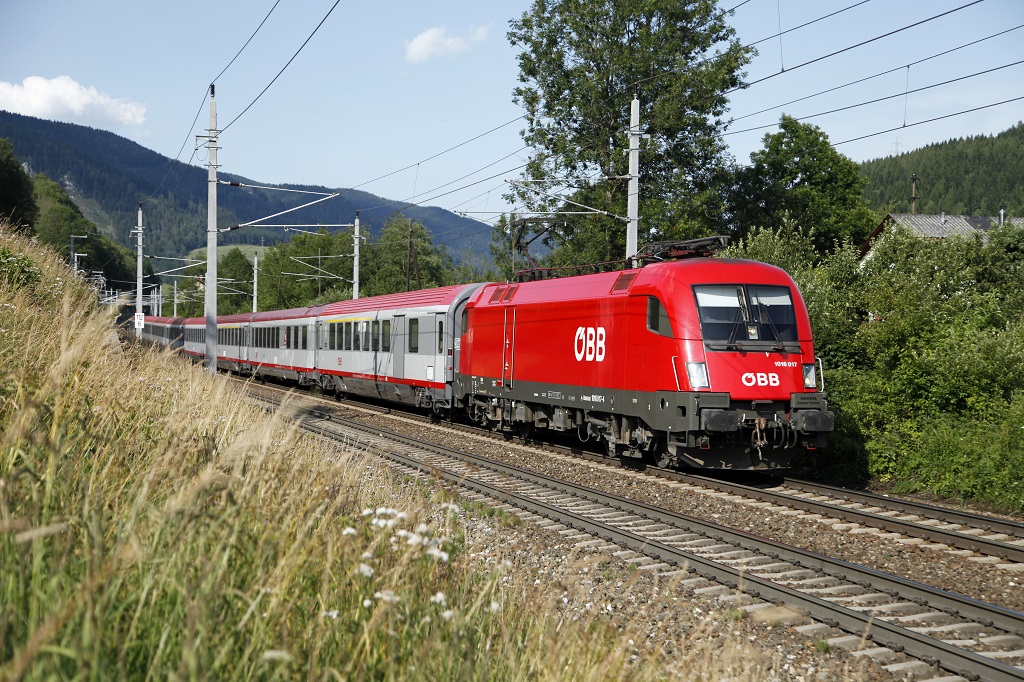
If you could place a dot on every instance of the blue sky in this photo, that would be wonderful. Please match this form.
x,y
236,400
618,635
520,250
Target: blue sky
x,y
386,86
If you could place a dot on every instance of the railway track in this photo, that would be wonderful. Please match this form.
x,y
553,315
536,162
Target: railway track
x,y
998,541
963,530
934,628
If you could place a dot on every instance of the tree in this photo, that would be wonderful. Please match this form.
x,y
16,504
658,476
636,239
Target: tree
x,y
16,199
306,269
581,65
404,258
234,283
58,218
799,175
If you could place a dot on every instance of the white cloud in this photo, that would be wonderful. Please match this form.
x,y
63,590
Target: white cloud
x,y
437,42
62,98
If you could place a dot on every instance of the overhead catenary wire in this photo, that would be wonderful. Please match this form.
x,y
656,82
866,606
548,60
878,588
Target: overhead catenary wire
x,y
877,75
881,99
860,44
287,64
206,92
930,120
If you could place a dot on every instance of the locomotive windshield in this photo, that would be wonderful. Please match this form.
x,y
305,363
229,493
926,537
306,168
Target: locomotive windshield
x,y
752,315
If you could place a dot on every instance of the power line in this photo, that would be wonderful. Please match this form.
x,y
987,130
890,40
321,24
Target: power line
x,y
283,67
245,46
930,120
430,158
879,99
881,73
206,92
851,47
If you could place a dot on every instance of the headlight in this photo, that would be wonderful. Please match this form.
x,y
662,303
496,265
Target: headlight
x,y
697,373
810,376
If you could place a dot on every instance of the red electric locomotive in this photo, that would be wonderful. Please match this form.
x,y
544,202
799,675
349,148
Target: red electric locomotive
x,y
697,363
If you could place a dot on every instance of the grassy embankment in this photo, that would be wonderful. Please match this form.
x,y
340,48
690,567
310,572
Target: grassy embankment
x,y
153,524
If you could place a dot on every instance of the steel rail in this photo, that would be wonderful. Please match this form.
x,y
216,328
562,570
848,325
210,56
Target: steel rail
x,y
897,504
953,538
933,651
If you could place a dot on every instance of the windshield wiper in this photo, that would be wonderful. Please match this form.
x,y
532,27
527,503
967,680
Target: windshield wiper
x,y
763,312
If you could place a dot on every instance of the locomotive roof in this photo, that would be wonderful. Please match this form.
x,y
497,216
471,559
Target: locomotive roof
x,y
440,296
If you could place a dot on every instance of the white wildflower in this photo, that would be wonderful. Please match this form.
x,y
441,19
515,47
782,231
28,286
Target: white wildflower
x,y
365,570
495,607
439,598
447,615
367,603
386,596
422,529
367,556
333,615
349,531
440,555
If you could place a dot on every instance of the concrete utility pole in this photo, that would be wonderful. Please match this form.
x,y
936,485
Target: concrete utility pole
x,y
355,261
175,298
255,278
211,240
633,196
138,274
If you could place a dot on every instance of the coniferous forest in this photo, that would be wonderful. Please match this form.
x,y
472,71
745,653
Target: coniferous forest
x,y
970,176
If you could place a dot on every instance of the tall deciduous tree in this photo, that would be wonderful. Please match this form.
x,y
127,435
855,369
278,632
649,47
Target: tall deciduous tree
x,y
581,65
800,176
402,259
16,201
234,285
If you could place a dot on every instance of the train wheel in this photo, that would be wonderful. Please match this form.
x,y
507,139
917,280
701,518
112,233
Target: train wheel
x,y
522,431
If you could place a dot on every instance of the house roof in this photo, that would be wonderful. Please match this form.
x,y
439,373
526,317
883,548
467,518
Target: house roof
x,y
938,226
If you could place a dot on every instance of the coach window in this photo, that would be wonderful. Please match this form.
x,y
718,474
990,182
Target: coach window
x,y
366,335
376,336
348,336
440,336
385,336
657,317
305,337
414,335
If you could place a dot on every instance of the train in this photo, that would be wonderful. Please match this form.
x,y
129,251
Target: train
x,y
689,363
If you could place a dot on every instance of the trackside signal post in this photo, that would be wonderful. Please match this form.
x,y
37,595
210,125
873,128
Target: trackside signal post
x,y
211,239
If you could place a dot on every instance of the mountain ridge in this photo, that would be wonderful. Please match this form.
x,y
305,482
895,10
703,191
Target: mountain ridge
x,y
107,175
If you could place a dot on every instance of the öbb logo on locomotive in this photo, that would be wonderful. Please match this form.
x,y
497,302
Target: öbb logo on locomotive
x,y
760,379
589,344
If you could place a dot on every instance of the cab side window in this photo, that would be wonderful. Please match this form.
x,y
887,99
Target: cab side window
x,y
657,318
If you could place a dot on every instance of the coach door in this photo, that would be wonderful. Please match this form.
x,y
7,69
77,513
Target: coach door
x,y
398,346
508,358
442,361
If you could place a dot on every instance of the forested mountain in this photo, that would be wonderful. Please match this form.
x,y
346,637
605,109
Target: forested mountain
x,y
971,176
108,175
